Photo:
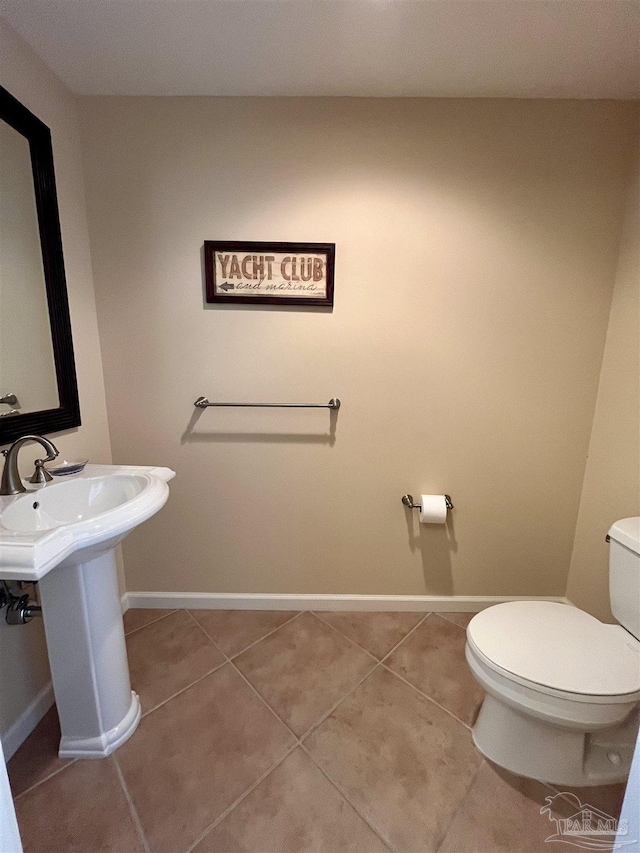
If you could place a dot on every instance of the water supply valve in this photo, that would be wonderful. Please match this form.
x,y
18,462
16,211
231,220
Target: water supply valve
x,y
20,609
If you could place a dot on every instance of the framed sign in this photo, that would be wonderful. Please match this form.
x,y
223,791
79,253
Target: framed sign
x,y
269,273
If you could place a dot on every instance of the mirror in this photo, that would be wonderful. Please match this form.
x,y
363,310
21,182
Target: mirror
x,y
38,387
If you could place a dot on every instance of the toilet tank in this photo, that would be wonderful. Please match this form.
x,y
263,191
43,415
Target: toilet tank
x,y
624,573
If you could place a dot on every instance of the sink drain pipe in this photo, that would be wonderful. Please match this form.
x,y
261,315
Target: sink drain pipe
x,y
20,609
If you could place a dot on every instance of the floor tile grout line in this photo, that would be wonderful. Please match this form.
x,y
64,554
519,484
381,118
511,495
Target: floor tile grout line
x,y
153,621
406,637
442,615
460,804
228,660
344,795
45,779
184,689
381,664
255,643
132,809
262,699
242,797
319,722
378,663
325,716
385,666
344,636
555,790
426,696
207,635
338,631
378,660
305,734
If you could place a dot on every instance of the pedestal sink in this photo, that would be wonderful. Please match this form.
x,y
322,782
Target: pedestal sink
x,y
64,536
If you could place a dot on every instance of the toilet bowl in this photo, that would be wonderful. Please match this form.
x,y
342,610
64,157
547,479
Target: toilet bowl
x,y
557,709
563,688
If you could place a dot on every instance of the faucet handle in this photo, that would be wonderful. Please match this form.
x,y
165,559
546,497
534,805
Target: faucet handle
x,y
41,476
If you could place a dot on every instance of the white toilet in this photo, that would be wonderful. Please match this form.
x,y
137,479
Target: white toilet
x,y
563,688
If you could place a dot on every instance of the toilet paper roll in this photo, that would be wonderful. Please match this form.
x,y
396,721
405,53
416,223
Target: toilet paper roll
x,y
434,509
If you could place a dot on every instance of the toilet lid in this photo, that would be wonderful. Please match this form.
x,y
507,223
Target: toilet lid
x,y
558,646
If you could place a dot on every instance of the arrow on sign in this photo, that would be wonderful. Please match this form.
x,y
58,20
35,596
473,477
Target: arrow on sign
x,y
227,286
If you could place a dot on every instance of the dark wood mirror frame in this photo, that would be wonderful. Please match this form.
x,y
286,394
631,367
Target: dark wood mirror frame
x,y
67,415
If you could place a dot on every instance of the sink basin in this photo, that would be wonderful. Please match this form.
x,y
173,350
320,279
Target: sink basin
x,y
64,536
87,504
77,518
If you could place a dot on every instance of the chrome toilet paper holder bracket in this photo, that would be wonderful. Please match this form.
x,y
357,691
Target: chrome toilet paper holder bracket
x,y
407,500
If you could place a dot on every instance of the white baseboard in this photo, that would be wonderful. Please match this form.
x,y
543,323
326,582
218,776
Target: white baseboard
x,y
281,601
27,721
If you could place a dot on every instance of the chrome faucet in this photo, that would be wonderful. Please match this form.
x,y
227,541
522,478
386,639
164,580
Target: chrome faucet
x,y
11,483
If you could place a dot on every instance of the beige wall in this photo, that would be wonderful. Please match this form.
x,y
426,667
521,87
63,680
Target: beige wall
x,y
23,662
476,253
611,488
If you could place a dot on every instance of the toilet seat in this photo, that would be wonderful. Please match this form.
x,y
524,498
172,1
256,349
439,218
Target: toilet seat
x,y
558,649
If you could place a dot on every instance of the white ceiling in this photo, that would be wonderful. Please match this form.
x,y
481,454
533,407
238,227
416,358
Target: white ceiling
x,y
436,48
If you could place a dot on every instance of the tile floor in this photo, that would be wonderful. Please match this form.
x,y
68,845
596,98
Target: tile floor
x,y
274,732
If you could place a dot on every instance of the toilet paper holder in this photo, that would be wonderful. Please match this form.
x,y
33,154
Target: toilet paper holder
x,y
407,500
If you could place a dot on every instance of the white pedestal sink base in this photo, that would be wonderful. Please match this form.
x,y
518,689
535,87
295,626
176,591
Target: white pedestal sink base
x,y
85,639
64,536
104,744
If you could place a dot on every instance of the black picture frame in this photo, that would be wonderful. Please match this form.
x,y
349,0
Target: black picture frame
x,y
216,295
67,415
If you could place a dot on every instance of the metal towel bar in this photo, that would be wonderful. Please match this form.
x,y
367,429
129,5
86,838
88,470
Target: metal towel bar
x,y
334,403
